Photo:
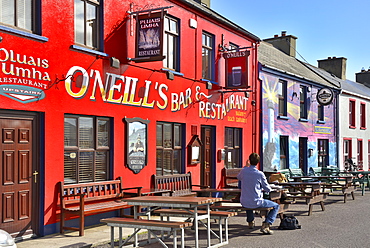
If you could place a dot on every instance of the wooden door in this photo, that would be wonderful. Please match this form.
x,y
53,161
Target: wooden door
x,y
16,175
206,166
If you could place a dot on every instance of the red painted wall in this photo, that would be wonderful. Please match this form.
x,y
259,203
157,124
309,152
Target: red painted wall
x,y
58,58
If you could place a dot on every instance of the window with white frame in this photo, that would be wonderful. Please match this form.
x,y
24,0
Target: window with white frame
x,y
207,55
19,14
87,23
171,43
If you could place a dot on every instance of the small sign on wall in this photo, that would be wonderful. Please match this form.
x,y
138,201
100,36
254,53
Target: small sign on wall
x,y
137,148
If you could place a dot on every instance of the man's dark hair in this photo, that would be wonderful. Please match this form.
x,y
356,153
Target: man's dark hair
x,y
254,159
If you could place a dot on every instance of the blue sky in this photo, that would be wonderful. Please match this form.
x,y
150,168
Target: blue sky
x,y
324,28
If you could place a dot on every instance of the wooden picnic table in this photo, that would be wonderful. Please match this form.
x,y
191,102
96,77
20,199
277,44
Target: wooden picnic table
x,y
183,202
341,182
308,191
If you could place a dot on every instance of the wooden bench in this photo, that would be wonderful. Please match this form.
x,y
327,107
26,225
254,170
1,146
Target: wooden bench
x,y
314,195
221,216
150,225
80,200
178,184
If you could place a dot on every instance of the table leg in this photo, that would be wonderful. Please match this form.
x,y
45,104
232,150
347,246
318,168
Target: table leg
x,y
208,227
135,217
196,227
112,237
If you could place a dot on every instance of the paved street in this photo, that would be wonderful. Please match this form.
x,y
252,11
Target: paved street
x,y
340,225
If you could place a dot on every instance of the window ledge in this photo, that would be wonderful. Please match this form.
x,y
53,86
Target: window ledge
x,y
321,122
87,50
24,34
206,80
352,127
303,120
283,117
363,128
174,72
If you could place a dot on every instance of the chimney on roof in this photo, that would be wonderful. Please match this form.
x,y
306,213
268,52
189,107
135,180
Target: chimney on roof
x,y
363,77
334,65
285,43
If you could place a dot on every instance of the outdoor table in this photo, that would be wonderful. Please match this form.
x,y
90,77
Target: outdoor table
x,y
361,177
333,182
298,190
209,191
184,202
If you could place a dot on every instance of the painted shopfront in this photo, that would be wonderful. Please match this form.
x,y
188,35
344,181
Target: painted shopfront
x,y
75,114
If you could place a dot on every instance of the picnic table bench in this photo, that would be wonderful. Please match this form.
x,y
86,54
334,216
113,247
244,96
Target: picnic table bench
x,y
178,184
150,225
82,199
221,216
310,192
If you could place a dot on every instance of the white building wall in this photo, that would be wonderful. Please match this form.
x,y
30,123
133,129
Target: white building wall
x,y
345,132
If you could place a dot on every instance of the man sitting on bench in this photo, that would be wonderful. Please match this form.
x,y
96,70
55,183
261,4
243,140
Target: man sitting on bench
x,y
253,182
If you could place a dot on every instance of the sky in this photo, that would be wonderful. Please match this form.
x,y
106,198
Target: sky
x,y
324,28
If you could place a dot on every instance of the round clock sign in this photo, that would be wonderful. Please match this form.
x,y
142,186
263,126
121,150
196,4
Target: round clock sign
x,y
325,96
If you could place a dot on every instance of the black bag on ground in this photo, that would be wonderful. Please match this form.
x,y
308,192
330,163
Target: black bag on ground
x,y
289,222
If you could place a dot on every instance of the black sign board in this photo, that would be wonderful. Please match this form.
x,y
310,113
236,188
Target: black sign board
x,y
149,35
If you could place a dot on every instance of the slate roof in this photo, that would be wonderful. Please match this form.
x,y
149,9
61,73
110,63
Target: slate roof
x,y
348,86
273,58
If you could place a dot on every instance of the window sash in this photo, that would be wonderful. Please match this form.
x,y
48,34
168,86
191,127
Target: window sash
x,y
18,13
282,98
171,40
87,23
207,56
169,148
233,147
86,149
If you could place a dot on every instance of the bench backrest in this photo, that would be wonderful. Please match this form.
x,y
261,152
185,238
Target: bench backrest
x,y
231,180
179,184
94,191
315,171
297,172
330,171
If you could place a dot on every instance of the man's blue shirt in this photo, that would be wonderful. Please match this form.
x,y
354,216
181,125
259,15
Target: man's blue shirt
x,y
252,183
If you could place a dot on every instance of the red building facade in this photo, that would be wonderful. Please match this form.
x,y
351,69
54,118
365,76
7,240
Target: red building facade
x,y
94,90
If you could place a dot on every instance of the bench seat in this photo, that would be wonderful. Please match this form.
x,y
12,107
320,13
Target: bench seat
x,y
150,225
221,216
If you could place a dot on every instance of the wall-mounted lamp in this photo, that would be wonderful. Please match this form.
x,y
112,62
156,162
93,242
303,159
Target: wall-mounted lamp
x,y
1,39
170,75
209,85
114,62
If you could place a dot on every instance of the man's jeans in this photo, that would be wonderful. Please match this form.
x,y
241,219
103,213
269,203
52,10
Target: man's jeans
x,y
271,215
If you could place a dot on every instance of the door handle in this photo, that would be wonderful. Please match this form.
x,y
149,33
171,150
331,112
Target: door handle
x,y
35,173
